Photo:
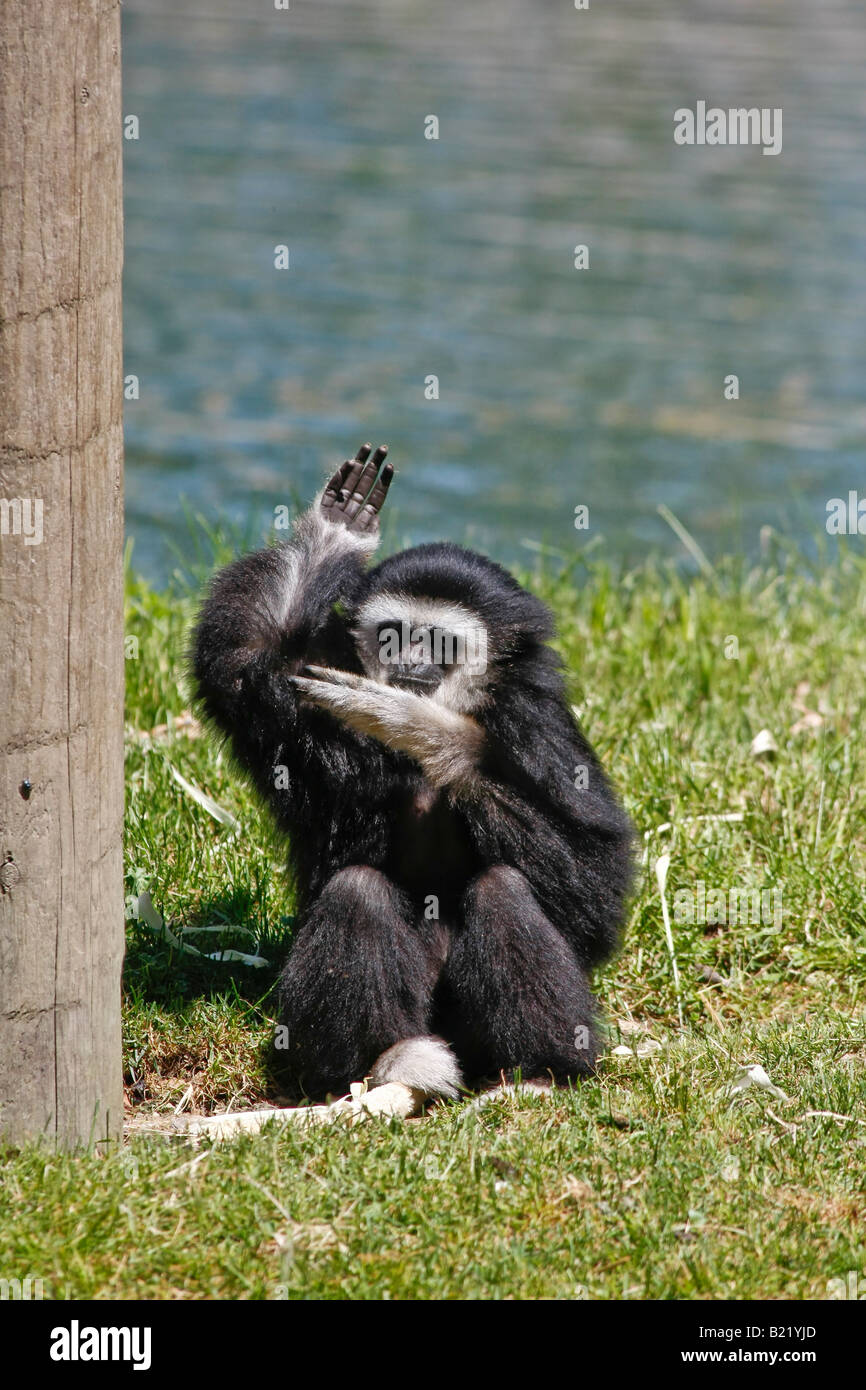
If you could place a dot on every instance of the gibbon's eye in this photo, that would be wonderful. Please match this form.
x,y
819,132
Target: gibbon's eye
x,y
389,642
435,646
445,647
420,644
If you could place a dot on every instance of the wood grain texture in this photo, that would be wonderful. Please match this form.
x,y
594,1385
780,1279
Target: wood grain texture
x,y
61,600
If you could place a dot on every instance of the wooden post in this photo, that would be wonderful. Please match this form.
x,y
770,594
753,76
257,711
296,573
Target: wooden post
x,y
61,601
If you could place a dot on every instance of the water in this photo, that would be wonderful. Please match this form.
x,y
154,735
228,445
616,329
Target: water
x,y
454,257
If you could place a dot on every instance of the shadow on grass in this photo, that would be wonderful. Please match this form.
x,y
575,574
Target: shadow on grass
x,y
156,971
184,1005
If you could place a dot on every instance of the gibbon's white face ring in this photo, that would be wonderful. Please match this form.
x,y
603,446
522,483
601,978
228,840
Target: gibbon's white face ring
x,y
402,617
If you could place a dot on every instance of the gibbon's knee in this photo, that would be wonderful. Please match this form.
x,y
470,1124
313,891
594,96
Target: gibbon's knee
x,y
495,885
359,978
361,888
522,998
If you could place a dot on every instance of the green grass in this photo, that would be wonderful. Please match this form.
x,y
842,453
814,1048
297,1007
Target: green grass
x,y
651,1181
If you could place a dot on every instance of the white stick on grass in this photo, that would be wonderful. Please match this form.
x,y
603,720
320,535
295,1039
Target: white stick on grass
x,y
393,1099
662,865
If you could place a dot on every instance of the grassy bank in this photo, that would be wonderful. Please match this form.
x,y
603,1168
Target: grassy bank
x,y
656,1180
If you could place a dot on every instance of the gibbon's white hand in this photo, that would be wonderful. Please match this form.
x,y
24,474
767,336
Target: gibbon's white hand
x,y
445,744
367,706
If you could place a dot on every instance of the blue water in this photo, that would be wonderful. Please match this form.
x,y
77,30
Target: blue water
x,y
411,257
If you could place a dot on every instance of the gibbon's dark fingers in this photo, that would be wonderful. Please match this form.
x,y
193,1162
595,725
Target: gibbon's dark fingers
x,y
342,484
357,465
350,471
332,489
357,486
368,517
352,496
354,491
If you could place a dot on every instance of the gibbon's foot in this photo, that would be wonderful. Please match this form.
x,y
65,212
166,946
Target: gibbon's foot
x,y
425,1064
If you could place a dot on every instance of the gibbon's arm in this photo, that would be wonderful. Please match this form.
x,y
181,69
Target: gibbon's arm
x,y
524,754
265,610
446,745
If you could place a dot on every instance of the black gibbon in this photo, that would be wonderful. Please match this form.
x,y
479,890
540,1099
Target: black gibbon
x,y
460,859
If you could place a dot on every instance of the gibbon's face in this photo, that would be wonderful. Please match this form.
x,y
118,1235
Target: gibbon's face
x,y
430,646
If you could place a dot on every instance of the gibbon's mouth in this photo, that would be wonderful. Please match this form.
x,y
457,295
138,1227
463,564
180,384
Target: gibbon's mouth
x,y
418,678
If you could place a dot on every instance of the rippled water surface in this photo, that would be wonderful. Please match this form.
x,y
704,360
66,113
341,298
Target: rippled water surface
x,y
411,257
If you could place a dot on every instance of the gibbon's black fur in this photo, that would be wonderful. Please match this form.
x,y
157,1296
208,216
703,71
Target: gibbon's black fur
x,y
457,873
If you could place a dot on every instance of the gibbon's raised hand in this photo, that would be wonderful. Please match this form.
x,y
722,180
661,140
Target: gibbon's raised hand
x,y
353,496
